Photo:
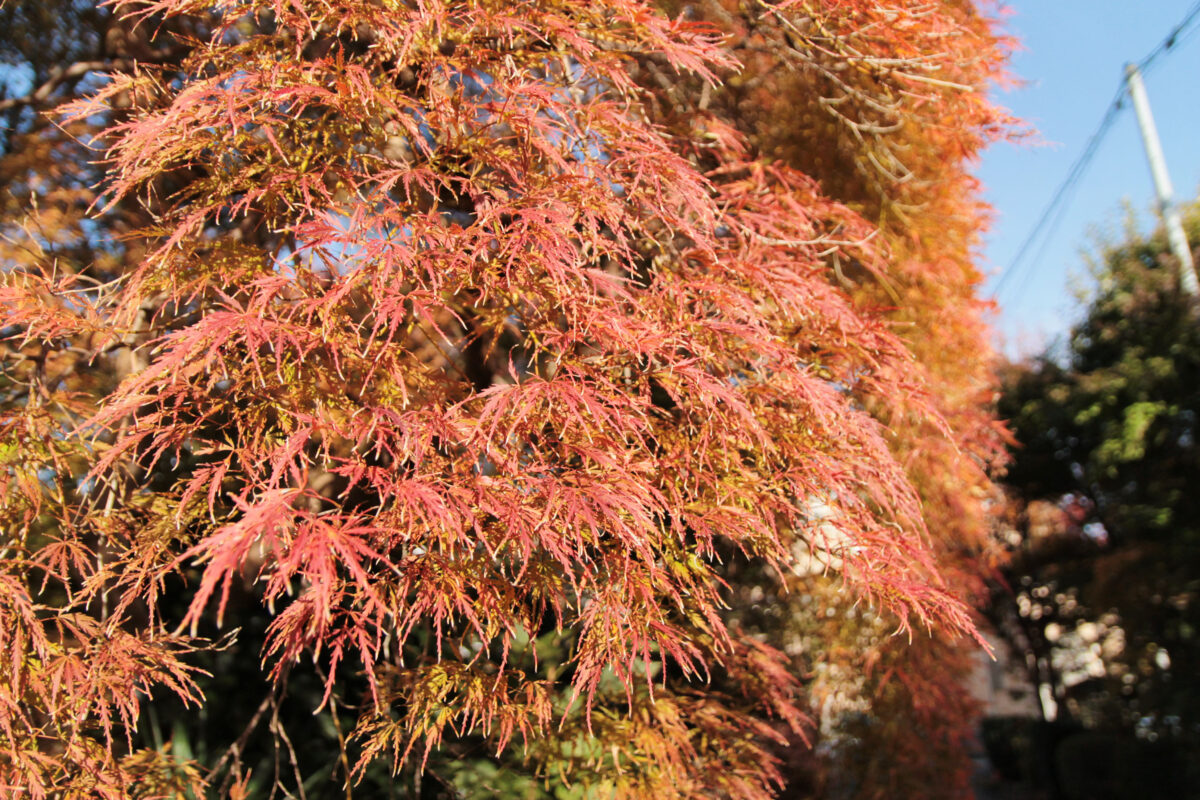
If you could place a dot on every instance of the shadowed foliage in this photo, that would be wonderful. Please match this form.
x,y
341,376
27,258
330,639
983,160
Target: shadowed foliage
x,y
1100,597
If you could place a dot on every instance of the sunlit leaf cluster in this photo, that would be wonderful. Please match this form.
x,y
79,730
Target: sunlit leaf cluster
x,y
452,369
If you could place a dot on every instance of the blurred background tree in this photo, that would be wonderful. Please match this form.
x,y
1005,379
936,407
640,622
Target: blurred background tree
x,y
1101,600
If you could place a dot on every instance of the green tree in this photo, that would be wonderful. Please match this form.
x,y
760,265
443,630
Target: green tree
x,y
1102,596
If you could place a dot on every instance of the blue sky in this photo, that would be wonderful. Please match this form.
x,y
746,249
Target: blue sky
x,y
1071,61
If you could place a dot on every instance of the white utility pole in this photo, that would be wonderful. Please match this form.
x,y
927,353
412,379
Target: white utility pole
x,y
1162,181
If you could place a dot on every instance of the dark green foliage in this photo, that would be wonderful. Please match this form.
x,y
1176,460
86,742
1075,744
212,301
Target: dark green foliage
x,y
1103,593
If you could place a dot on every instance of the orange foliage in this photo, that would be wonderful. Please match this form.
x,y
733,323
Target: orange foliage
x,y
435,332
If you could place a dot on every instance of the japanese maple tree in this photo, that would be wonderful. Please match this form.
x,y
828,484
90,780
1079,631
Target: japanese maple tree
x,y
884,104
473,349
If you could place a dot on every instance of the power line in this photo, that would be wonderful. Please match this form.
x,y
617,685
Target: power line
x,y
1052,214
1173,38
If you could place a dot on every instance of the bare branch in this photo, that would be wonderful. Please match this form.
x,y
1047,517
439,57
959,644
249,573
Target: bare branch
x,y
61,75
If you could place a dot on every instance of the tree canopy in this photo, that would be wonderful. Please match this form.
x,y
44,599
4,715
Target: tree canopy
x,y
1100,597
525,389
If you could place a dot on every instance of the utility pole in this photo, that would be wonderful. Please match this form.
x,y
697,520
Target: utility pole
x,y
1162,181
